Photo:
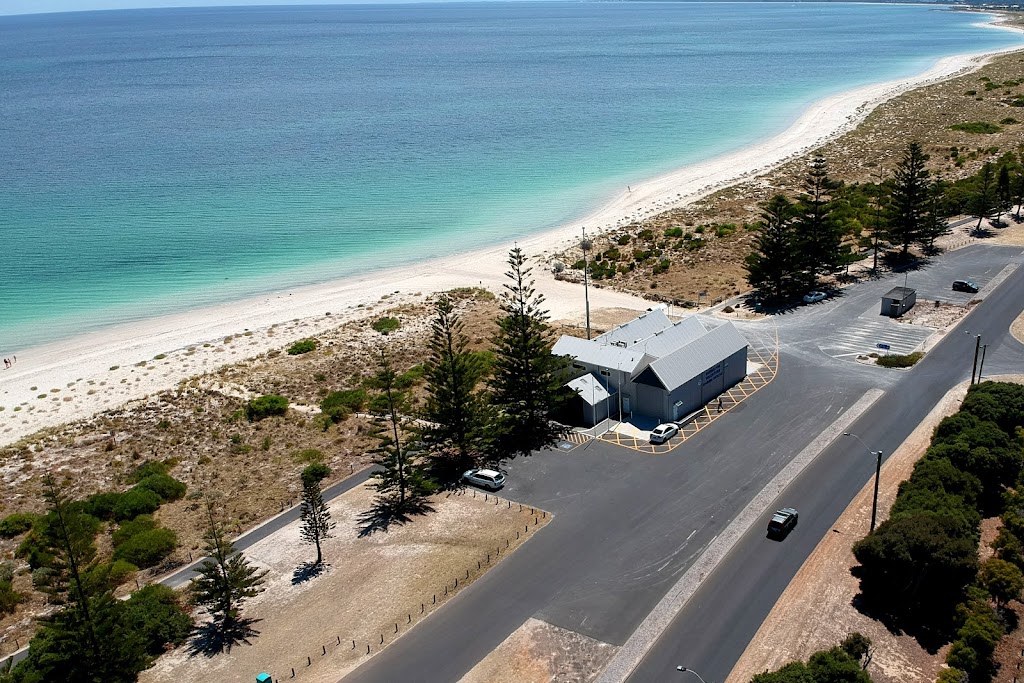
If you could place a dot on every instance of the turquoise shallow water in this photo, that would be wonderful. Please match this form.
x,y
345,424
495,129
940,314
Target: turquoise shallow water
x,y
159,160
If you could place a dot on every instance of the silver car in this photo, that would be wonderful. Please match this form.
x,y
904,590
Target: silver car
x,y
485,479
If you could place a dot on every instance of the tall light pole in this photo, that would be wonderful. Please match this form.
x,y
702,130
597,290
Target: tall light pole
x,y
981,365
878,472
977,347
683,668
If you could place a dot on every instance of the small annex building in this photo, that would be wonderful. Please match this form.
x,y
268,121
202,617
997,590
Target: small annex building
x,y
898,301
653,367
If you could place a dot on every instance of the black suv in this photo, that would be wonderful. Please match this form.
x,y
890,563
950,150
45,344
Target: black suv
x,y
782,522
964,286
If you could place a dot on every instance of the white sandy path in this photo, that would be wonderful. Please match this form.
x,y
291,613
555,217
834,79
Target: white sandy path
x,y
78,366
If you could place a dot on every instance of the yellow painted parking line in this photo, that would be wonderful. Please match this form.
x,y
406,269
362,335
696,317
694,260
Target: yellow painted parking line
x,y
751,384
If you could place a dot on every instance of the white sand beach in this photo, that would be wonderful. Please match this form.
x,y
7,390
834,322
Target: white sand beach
x,y
102,370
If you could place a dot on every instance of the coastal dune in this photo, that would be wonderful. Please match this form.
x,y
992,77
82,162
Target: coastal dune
x,y
78,377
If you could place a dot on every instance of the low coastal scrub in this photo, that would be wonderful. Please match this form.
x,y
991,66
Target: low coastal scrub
x,y
920,570
896,360
338,405
16,524
302,346
265,406
844,662
979,127
386,325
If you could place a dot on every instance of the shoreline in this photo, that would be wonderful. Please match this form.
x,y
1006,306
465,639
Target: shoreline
x,y
84,375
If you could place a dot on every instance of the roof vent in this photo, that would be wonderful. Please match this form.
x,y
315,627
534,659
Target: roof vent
x,y
620,344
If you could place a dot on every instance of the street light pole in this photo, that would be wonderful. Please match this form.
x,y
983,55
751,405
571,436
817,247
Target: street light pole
x,y
981,366
878,474
586,290
977,345
683,668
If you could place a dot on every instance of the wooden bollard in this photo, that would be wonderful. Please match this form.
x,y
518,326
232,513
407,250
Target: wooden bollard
x,y
309,661
410,618
435,598
467,575
353,644
339,640
382,639
325,650
456,582
446,589
367,648
517,535
293,673
485,496
422,608
396,627
478,564
532,511
488,558
506,542
535,521
510,505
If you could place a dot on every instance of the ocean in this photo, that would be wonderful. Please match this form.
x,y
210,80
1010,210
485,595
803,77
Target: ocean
x,y
153,161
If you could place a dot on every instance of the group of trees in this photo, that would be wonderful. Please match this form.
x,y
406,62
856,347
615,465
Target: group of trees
x,y
920,568
479,408
815,235
841,664
94,637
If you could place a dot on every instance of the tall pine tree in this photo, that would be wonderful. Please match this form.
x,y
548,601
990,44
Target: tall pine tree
x,y
315,515
983,202
774,261
909,199
401,481
224,583
527,387
817,235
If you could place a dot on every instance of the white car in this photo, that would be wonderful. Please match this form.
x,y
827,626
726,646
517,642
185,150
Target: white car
x,y
663,432
485,479
814,297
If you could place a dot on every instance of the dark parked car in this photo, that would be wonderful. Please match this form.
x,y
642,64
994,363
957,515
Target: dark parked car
x,y
964,286
782,522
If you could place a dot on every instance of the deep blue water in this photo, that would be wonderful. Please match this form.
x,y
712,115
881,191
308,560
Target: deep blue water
x,y
156,160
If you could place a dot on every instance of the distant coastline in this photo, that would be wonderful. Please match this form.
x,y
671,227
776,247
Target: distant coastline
x,y
140,358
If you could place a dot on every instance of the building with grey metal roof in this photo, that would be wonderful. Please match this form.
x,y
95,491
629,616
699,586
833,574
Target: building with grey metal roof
x,y
677,368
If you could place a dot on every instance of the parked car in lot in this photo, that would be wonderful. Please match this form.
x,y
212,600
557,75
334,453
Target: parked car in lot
x,y
663,432
964,286
782,522
485,479
813,297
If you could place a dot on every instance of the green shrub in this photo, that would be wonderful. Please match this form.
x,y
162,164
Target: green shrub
x,y
645,234
121,571
386,325
135,502
265,406
16,524
896,360
9,598
623,240
163,485
155,614
661,267
133,528
302,346
673,232
1008,121
101,505
338,405
308,455
148,468
410,376
6,571
147,548
980,127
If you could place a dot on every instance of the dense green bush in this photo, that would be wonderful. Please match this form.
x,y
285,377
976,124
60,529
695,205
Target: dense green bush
x,y
841,663
302,346
120,571
674,232
155,613
163,485
147,548
897,360
135,502
16,524
133,527
338,405
265,406
149,468
386,325
101,505
980,127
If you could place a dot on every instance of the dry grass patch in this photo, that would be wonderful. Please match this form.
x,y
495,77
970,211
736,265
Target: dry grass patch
x,y
373,583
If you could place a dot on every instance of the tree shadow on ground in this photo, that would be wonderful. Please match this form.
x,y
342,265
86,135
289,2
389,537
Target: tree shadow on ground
x,y
899,262
983,232
384,514
929,636
210,640
308,571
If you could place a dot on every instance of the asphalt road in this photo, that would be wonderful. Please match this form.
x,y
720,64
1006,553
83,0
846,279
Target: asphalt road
x,y
626,525
711,632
